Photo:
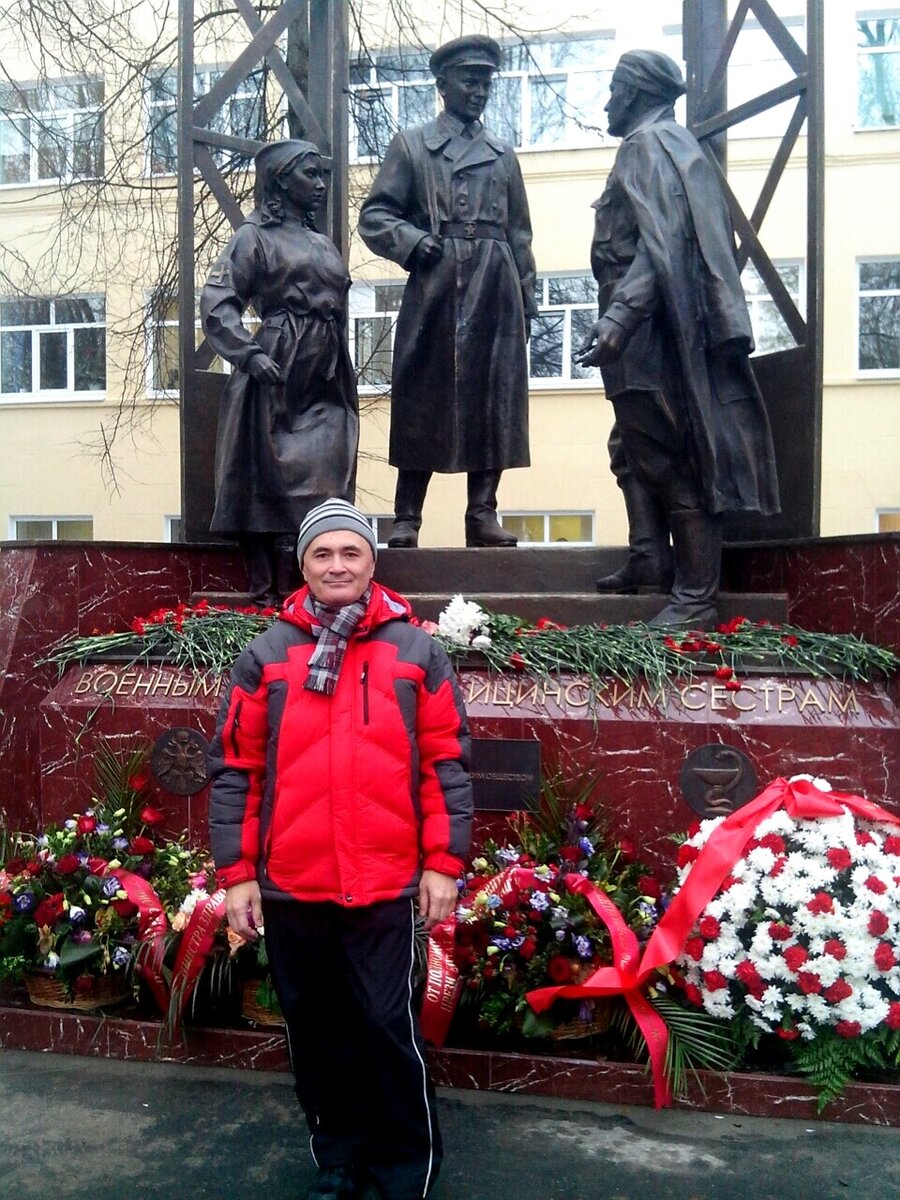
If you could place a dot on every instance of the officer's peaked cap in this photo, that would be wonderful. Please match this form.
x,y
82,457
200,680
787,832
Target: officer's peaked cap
x,y
474,50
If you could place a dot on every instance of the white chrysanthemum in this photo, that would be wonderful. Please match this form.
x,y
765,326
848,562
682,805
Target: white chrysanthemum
x,y
462,620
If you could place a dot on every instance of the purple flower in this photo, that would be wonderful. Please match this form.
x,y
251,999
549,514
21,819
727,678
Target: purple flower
x,y
76,914
81,937
586,845
120,843
540,901
493,901
560,935
583,946
144,868
111,885
121,957
24,902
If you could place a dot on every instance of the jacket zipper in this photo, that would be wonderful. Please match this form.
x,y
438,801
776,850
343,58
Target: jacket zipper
x,y
235,726
364,680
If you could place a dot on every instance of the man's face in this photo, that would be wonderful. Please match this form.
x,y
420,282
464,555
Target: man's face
x,y
465,91
338,567
619,107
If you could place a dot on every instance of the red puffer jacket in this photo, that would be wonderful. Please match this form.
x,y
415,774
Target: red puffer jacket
x,y
345,797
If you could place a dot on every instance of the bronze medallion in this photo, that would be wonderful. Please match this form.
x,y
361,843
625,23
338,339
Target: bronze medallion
x,y
178,761
717,779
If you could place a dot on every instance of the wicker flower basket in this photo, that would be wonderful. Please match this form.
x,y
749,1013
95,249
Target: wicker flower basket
x,y
46,990
252,1010
599,1023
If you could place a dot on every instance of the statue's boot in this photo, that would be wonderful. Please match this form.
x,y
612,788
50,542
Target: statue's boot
x,y
287,568
409,499
482,526
697,549
649,564
258,553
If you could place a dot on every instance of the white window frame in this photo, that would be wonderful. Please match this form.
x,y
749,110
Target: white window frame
x,y
566,380
68,393
885,512
222,121
219,365
873,372
547,514
869,52
575,136
755,300
362,307
169,529
55,522
60,111
374,520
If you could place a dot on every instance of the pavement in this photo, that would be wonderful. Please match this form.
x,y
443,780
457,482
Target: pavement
x,y
99,1129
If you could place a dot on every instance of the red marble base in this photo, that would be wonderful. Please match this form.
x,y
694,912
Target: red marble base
x,y
732,1094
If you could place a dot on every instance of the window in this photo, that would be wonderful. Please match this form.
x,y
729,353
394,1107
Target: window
x,y
878,70
887,520
575,528
879,316
242,114
382,526
52,529
756,66
374,308
52,349
769,330
547,94
568,309
174,529
52,130
162,345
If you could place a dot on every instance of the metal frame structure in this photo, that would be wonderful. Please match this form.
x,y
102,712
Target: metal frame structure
x,y
320,116
791,380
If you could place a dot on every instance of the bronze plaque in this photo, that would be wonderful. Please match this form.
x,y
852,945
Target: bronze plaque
x,y
178,761
506,773
717,779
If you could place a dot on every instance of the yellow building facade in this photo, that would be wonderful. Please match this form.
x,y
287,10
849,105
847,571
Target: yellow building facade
x,y
89,437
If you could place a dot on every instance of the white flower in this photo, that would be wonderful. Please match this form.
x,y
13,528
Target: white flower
x,y
481,641
462,620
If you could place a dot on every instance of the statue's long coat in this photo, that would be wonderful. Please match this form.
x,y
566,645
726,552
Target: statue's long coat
x,y
281,449
459,385
663,255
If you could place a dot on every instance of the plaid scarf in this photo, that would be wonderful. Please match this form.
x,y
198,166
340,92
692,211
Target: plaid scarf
x,y
334,628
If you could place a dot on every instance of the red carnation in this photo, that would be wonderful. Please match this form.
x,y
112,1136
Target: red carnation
x,y
67,864
559,969
838,991
839,858
864,838
693,948
733,685
892,1020
892,844
747,973
511,899
517,662
795,957
878,923
820,903
125,908
884,956
528,947
97,865
876,885
627,850
788,1035
151,815
86,824
779,932
141,845
774,842
848,1029
724,672
693,995
709,928
714,981
687,854
836,948
809,983
650,887
789,639
571,854
777,867
584,812
693,829
49,910
509,931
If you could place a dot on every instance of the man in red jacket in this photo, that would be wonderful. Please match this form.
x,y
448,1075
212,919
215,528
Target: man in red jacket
x,y
341,810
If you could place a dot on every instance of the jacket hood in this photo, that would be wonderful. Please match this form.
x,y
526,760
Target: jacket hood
x,y
384,605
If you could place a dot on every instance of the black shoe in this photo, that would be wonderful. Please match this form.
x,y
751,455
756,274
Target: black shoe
x,y
337,1183
638,575
404,535
486,530
684,615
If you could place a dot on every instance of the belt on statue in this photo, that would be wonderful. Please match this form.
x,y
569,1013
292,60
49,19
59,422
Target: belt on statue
x,y
473,229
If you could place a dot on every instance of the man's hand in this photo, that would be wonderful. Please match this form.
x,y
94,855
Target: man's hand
x,y
429,250
263,369
605,343
243,907
437,897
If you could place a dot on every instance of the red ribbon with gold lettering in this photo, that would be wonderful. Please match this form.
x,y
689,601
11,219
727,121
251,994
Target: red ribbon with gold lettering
x,y
152,928
193,950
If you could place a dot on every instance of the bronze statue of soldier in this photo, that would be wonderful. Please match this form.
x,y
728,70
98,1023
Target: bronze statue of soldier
x,y
448,204
289,421
691,440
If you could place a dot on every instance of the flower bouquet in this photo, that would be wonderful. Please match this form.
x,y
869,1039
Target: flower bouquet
x,y
802,938
520,926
